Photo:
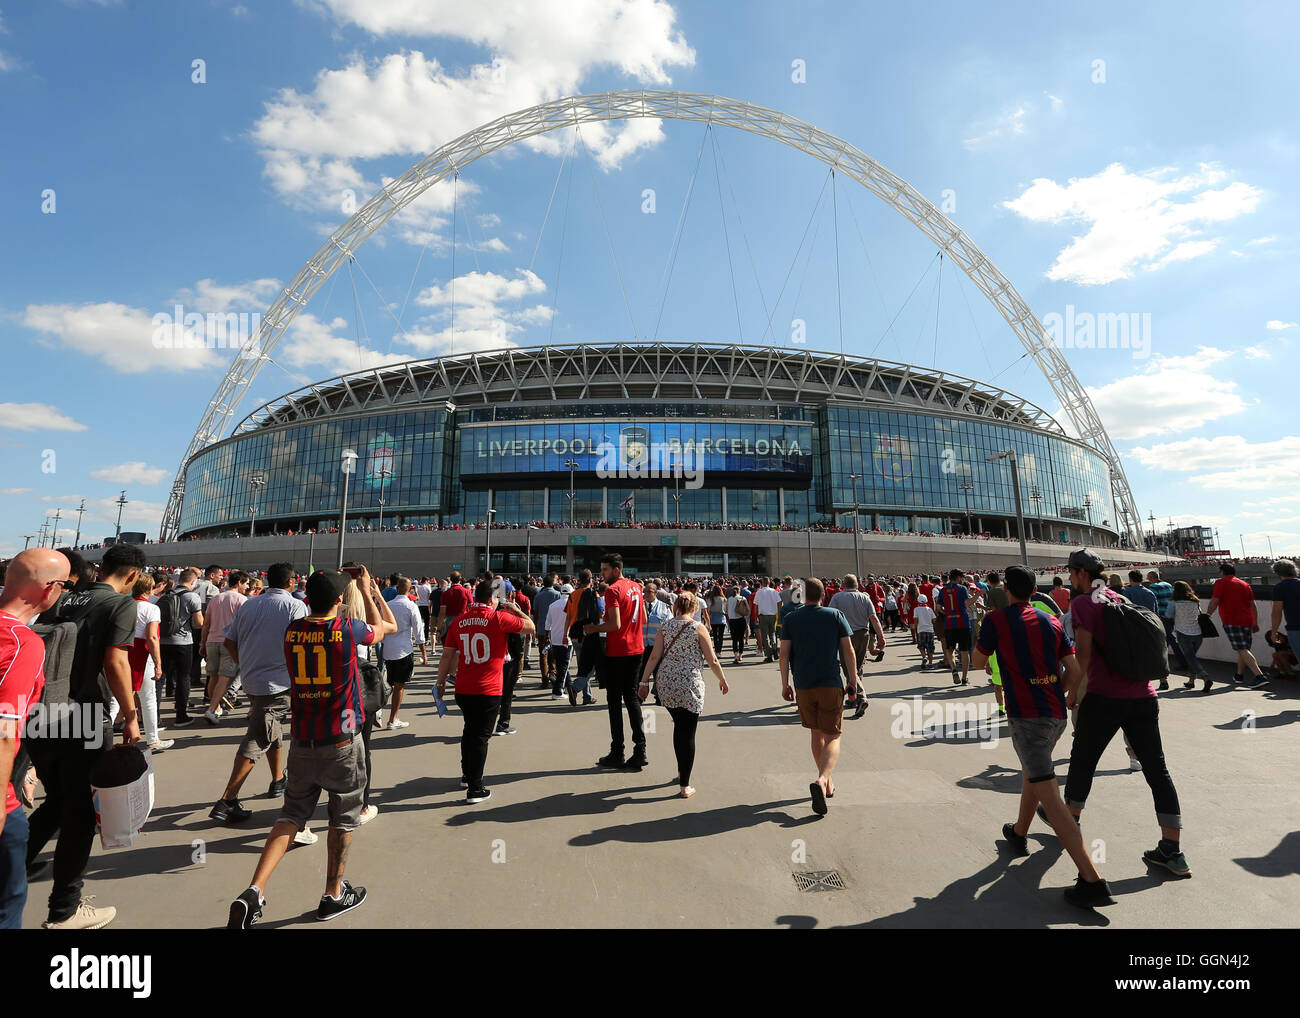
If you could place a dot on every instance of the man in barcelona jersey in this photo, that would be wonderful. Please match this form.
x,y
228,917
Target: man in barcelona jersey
x,y
1040,676
624,643
475,652
327,752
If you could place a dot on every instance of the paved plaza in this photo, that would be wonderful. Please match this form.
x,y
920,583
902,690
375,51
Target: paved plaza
x,y
913,830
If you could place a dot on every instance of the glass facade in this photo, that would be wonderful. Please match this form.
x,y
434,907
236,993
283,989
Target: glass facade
x,y
777,463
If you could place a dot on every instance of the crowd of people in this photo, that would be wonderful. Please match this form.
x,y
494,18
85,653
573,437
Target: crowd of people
x,y
319,660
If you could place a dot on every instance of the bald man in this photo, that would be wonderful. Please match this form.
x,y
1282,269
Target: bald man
x,y
33,582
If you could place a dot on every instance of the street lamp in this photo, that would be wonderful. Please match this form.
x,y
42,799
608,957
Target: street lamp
x,y
121,501
528,552
81,510
1010,454
857,559
256,481
967,488
1087,506
384,474
58,515
572,464
487,557
1243,544
677,495
27,540
349,464
1152,519
1036,497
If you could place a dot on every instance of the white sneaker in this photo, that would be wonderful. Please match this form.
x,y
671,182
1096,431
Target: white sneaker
x,y
211,718
368,814
85,918
1134,764
159,746
305,837
399,723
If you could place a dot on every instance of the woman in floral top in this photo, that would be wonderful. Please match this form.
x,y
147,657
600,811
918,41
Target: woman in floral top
x,y
682,647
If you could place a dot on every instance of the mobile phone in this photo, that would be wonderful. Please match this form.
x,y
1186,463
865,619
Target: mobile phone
x,y
353,571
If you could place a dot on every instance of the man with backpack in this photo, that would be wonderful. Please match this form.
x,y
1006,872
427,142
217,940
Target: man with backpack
x,y
182,616
105,616
1121,649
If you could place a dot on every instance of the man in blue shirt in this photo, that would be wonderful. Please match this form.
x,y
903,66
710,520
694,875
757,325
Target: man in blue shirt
x,y
1164,593
255,640
818,643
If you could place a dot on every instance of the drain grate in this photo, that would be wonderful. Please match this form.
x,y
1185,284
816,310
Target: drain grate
x,y
819,880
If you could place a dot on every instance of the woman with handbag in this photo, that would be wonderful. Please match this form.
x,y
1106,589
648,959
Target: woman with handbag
x,y
1189,623
681,648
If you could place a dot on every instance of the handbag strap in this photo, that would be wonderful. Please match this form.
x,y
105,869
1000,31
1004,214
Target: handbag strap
x,y
673,642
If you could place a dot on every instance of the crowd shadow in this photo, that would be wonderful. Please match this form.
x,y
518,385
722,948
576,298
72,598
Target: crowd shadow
x,y
561,804
703,824
783,713
1282,861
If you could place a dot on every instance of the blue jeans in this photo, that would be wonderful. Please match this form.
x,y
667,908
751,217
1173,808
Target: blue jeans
x,y
560,664
1189,645
1175,643
13,870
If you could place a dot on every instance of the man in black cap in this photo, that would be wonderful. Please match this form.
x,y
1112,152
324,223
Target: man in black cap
x,y
1112,702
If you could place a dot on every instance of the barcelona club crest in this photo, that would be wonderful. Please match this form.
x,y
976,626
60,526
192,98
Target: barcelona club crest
x,y
634,441
893,458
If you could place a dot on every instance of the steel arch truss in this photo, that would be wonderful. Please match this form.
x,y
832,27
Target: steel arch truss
x,y
625,105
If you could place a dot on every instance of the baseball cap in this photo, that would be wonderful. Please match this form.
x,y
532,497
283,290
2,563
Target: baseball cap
x,y
1020,580
1088,561
922,599
567,589
325,586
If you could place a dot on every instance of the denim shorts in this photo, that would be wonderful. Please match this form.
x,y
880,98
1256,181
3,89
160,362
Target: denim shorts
x,y
1033,739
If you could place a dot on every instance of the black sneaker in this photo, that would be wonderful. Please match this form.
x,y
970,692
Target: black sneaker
x,y
182,722
1086,895
1256,682
1042,815
587,701
1175,864
611,760
276,788
1019,843
861,708
229,811
636,761
956,679
478,795
504,730
349,898
244,911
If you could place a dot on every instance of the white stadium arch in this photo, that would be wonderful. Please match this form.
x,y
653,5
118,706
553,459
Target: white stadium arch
x,y
669,105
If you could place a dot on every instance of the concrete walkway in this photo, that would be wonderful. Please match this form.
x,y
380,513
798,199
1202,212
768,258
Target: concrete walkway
x,y
913,831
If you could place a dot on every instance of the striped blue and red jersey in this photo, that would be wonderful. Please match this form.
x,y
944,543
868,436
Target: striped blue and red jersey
x,y
326,684
1030,645
955,596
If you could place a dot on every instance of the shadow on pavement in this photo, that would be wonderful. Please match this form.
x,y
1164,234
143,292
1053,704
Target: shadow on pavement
x,y
1283,861
697,825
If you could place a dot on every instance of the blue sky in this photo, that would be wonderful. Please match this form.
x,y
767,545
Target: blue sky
x,y
1109,158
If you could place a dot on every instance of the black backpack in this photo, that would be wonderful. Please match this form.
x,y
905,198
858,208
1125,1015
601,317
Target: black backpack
x,y
173,617
1135,642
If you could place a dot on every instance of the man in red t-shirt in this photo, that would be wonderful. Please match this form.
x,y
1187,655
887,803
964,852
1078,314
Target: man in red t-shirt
x,y
454,601
475,652
33,582
1235,601
624,618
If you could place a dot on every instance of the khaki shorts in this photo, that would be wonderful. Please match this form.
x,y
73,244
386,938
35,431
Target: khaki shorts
x,y
219,661
337,770
822,708
268,717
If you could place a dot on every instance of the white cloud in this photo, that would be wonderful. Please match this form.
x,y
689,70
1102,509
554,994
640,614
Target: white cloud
x,y
1134,220
36,417
136,472
481,323
315,343
14,491
103,510
406,104
1009,124
1261,241
1277,325
207,295
1229,461
1154,401
120,336
1258,352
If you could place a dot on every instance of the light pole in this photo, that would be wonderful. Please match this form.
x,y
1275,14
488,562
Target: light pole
x,y
967,488
528,551
121,501
58,515
81,510
487,557
348,465
1152,519
45,525
1036,497
256,481
1010,454
857,559
384,474
572,464
1243,544
27,539
1087,507
677,495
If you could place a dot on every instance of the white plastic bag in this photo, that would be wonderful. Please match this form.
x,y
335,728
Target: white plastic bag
x,y
121,812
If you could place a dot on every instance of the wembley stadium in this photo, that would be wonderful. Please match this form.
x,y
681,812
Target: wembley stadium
x,y
666,437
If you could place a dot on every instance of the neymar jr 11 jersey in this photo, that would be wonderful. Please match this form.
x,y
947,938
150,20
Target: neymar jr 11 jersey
x,y
326,686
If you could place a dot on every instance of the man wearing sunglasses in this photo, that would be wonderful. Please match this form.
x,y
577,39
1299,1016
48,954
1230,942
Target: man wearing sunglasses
x,y
34,581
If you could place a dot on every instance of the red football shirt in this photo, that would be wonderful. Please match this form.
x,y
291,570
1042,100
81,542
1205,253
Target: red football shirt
x,y
479,638
628,639
22,677
1236,601
454,600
